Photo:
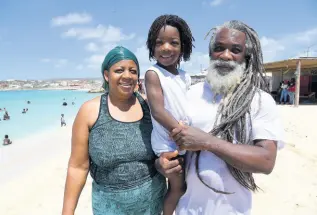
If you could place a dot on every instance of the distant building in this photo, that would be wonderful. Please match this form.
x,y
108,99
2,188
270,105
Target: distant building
x,y
54,85
14,86
27,86
287,69
199,77
64,84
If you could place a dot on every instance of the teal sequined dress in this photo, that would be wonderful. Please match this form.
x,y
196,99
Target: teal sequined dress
x,y
125,180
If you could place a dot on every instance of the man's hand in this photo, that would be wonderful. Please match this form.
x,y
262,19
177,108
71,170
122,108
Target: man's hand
x,y
167,166
190,138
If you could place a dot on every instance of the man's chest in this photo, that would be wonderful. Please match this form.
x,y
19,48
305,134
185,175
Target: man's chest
x,y
203,114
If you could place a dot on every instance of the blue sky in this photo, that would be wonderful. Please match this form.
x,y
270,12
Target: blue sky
x,y
69,39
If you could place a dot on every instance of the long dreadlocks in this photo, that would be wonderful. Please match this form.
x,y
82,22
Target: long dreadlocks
x,y
234,110
185,33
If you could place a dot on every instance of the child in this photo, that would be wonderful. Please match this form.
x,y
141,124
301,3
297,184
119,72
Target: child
x,y
63,123
169,41
6,140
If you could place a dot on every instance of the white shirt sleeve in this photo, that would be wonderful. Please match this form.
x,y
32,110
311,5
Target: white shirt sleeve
x,y
265,119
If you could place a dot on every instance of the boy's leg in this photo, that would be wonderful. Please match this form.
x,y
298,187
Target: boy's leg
x,y
176,189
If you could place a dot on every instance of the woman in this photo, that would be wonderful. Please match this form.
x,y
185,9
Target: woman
x,y
111,140
284,92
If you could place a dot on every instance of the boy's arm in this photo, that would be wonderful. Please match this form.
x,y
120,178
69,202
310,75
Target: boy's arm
x,y
155,100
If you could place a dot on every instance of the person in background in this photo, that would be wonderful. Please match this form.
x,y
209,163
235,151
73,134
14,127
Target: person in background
x,y
284,92
291,91
112,140
6,115
140,89
63,122
6,140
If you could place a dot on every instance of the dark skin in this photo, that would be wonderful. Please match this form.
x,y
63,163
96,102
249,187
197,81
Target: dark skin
x,y
259,158
229,46
167,53
123,106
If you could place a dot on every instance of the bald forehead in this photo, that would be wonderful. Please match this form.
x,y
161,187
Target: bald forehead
x,y
230,36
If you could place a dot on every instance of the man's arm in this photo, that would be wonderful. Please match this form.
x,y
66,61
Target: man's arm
x,y
155,100
259,158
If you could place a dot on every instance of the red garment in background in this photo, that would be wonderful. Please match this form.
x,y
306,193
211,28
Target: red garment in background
x,y
291,88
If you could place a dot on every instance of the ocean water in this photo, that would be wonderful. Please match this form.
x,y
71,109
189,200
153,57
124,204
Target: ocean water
x,y
44,112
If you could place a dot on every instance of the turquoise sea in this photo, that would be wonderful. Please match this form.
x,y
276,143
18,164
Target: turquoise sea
x,y
44,112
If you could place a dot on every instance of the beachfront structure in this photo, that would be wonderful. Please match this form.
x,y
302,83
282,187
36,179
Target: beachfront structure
x,y
287,69
199,77
28,86
64,83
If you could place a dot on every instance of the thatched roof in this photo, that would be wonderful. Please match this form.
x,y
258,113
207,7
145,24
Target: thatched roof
x,y
291,64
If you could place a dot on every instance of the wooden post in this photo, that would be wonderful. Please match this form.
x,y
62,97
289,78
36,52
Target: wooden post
x,y
297,84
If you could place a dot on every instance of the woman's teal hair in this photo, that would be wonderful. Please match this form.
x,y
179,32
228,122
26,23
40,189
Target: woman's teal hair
x,y
114,56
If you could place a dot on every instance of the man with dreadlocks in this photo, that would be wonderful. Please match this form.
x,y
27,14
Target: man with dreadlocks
x,y
237,129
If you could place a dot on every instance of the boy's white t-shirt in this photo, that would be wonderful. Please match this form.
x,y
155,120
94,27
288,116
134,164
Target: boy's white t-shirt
x,y
174,88
199,199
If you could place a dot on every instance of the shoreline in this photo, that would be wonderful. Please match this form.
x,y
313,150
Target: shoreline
x,y
40,89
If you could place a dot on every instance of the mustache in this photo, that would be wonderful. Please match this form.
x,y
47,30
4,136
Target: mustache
x,y
231,65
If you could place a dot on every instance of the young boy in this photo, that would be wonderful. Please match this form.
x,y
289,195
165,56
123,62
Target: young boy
x,y
169,41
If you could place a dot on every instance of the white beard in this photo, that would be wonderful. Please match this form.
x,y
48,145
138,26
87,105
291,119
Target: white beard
x,y
223,82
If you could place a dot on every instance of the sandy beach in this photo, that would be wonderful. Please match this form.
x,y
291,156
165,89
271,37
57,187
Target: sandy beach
x,y
33,172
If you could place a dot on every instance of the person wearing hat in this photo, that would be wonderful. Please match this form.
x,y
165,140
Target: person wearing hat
x,y
112,141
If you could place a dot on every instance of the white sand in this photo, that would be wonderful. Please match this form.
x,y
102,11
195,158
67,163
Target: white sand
x,y
33,172
292,187
33,175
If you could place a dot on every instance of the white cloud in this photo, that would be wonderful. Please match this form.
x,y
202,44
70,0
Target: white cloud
x,y
94,61
92,47
271,48
143,57
308,36
103,33
215,3
198,61
108,47
289,46
71,18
